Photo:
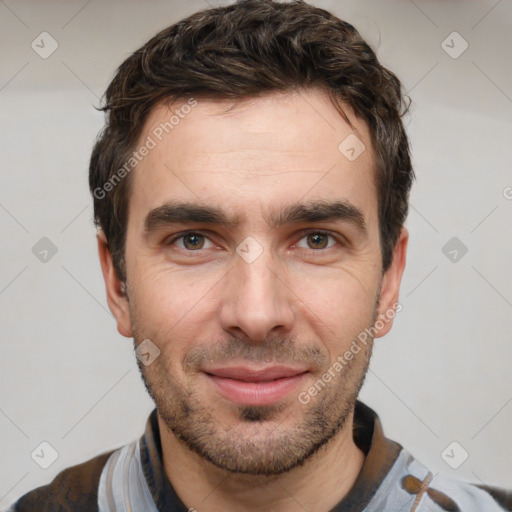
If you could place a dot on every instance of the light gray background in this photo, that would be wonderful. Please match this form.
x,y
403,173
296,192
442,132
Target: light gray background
x,y
441,375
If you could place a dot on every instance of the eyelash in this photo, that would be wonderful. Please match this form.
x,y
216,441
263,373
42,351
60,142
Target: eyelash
x,y
338,239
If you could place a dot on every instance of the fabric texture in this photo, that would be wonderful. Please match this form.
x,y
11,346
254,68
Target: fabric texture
x,y
132,479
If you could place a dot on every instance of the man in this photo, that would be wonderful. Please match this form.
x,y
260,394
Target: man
x,y
250,189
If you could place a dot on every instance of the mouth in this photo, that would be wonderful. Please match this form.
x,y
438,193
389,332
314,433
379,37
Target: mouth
x,y
248,386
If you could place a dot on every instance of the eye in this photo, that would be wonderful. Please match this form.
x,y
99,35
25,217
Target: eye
x,y
317,240
191,241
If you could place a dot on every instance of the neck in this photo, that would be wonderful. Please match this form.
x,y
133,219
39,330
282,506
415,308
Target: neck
x,y
319,484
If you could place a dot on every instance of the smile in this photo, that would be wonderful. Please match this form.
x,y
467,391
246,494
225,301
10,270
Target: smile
x,y
246,386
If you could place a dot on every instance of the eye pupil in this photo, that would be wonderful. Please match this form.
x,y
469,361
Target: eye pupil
x,y
193,241
319,240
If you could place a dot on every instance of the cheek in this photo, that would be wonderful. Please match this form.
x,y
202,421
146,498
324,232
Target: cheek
x,y
171,304
336,304
342,290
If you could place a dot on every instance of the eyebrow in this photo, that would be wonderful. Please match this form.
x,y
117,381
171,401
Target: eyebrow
x,y
315,211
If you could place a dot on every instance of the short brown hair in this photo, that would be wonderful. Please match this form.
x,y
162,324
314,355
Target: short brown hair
x,y
246,50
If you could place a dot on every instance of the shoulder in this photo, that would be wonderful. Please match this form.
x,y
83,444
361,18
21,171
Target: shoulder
x,y
73,489
451,494
501,496
417,488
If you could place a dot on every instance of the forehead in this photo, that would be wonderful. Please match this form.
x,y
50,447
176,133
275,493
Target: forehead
x,y
270,150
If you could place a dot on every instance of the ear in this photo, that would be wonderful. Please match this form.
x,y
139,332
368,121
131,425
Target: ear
x,y
390,287
117,300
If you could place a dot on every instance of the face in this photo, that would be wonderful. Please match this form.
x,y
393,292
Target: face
x,y
253,262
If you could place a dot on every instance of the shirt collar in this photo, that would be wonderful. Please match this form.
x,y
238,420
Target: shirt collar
x,y
381,453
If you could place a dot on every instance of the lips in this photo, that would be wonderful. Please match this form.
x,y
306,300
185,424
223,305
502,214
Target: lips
x,y
249,386
251,375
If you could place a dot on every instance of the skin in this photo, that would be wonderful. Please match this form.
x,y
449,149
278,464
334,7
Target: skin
x,y
300,302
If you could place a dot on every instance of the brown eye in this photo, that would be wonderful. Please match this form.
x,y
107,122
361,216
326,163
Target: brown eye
x,y
193,241
317,240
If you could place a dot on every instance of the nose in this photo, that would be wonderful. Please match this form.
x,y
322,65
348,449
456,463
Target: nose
x,y
256,300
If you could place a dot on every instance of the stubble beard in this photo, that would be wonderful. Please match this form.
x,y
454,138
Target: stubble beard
x,y
261,442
